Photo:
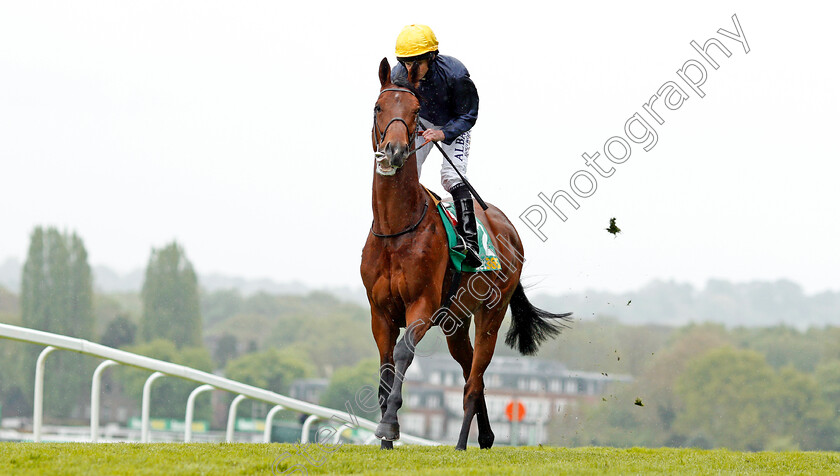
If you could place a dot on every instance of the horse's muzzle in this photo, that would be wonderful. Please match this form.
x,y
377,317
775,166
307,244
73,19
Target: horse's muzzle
x,y
391,159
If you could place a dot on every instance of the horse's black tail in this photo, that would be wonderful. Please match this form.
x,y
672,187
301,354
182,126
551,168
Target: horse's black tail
x,y
530,325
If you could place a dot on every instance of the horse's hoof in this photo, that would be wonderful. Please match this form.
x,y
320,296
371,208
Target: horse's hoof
x,y
388,431
461,448
486,442
386,445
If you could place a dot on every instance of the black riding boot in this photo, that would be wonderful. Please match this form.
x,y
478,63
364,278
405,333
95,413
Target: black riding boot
x,y
466,225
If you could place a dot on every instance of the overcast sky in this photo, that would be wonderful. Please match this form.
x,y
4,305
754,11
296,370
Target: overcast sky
x,y
242,130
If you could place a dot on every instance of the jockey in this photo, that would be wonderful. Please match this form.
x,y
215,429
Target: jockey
x,y
448,110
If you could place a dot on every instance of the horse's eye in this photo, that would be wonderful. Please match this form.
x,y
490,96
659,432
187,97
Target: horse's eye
x,y
377,108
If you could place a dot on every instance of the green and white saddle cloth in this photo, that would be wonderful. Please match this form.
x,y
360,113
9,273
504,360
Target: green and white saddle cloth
x,y
486,250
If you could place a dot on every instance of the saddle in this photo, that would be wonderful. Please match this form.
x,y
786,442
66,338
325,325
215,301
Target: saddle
x,y
487,252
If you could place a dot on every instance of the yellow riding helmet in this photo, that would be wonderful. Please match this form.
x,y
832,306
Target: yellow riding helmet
x,y
415,40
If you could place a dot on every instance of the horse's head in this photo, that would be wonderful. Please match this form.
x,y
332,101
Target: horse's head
x,y
395,118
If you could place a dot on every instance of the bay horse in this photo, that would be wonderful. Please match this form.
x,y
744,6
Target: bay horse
x,y
406,272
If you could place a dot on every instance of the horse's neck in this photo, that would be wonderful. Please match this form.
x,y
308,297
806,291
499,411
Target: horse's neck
x,y
398,200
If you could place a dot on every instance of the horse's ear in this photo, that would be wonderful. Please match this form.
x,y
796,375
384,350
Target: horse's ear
x,y
414,72
384,72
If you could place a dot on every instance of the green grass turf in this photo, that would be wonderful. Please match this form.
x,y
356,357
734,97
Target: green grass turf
x,y
243,458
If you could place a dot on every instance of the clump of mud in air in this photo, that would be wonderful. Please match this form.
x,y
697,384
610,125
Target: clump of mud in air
x,y
639,402
613,229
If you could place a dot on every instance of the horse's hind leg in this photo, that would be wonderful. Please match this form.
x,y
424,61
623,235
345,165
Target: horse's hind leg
x,y
418,319
458,341
487,326
460,347
485,433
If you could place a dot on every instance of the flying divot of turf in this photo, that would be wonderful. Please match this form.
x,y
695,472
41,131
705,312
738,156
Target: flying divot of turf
x,y
614,230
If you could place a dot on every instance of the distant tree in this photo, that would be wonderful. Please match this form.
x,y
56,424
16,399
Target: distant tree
x,y
14,394
169,394
12,384
271,369
171,307
827,377
781,346
121,331
615,420
802,413
218,306
729,396
316,305
226,349
604,345
329,342
81,289
35,284
657,383
105,309
9,305
264,304
57,297
349,382
830,348
246,328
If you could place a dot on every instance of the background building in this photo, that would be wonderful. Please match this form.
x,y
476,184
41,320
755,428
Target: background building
x,y
435,394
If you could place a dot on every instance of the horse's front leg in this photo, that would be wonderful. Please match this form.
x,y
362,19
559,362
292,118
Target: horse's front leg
x,y
418,322
385,333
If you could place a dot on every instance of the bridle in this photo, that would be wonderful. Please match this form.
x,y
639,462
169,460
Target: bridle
x,y
380,137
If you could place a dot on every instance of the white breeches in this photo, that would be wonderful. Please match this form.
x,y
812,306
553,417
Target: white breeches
x,y
458,151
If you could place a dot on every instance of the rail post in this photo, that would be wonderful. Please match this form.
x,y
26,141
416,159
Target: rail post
x,y
232,417
337,438
304,432
147,391
188,418
268,419
94,398
38,411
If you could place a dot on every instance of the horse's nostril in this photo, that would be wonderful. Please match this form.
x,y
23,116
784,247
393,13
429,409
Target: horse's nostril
x,y
400,154
396,153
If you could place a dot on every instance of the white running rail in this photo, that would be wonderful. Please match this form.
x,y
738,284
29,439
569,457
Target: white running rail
x,y
339,419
